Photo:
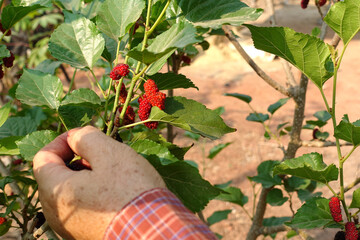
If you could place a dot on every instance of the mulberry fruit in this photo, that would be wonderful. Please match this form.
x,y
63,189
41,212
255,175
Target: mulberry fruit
x,y
129,117
3,30
335,209
304,3
123,94
186,59
17,162
144,112
350,231
158,100
9,61
321,3
150,87
2,220
120,70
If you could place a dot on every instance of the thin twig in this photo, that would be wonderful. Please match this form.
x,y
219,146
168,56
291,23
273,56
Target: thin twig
x,y
322,144
228,33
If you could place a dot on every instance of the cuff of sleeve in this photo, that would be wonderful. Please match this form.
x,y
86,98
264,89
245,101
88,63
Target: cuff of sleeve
x,y
157,214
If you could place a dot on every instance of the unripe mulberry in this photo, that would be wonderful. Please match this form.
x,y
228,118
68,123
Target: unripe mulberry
x,y
120,70
335,209
9,61
150,87
304,3
351,232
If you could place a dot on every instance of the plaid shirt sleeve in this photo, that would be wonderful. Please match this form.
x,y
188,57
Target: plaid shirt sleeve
x,y
157,215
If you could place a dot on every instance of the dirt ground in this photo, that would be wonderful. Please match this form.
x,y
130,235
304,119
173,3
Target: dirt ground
x,y
222,70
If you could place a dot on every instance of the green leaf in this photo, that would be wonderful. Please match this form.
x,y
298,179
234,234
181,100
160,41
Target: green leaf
x,y
76,116
166,81
71,5
309,166
12,14
344,19
4,228
305,195
160,116
4,181
242,97
274,107
355,203
39,89
36,114
178,36
322,135
115,17
215,13
265,174
8,145
257,117
148,147
275,221
323,116
35,141
200,119
233,195
315,213
4,113
110,48
4,52
309,54
217,149
191,135
347,131
17,126
48,66
186,183
295,183
275,197
218,216
157,65
77,43
82,97
26,3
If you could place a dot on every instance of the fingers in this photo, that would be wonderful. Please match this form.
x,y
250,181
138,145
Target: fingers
x,y
93,145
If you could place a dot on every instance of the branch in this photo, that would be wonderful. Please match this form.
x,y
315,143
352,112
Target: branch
x,y
273,229
322,144
351,185
288,92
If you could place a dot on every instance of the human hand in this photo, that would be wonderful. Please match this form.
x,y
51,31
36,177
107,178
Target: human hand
x,y
81,204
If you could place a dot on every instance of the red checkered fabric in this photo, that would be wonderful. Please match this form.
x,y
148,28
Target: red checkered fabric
x,y
157,215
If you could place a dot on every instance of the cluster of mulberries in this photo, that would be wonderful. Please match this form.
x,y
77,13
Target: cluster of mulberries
x,y
335,209
7,61
120,70
151,98
305,3
351,232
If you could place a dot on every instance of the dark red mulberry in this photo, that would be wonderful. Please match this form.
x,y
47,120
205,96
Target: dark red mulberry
x,y
321,2
304,3
120,70
129,117
3,30
335,209
351,232
9,61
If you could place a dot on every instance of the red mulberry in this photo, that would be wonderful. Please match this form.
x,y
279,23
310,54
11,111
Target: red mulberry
x,y
335,209
350,231
2,220
158,100
129,117
9,61
144,112
150,87
121,70
321,3
304,3
123,94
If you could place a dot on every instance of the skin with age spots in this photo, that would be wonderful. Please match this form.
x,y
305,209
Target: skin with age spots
x,y
81,204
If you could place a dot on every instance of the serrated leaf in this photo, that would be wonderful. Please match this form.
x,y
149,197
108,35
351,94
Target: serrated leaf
x,y
186,183
160,116
309,166
242,97
110,49
315,213
115,17
309,54
33,142
323,116
215,13
275,197
4,52
200,119
8,145
218,216
76,116
4,113
178,36
157,65
233,195
39,89
17,126
82,97
347,131
265,174
344,18
217,149
355,203
295,183
148,147
274,107
77,43
48,66
166,81
12,14
36,114
257,117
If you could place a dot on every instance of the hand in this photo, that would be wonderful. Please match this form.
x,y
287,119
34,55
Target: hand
x,y
81,204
